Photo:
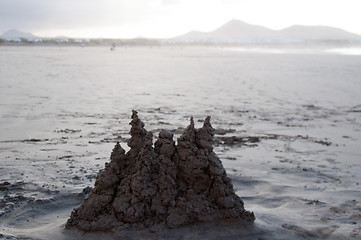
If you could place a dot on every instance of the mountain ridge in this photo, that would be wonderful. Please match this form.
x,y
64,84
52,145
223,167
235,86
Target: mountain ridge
x,y
15,33
240,31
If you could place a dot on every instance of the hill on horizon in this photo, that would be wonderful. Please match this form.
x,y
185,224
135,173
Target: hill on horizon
x,y
239,31
14,33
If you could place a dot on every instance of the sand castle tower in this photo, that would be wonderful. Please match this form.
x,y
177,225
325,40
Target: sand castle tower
x,y
168,184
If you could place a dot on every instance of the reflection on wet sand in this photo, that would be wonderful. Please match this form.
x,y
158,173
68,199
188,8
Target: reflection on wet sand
x,y
287,131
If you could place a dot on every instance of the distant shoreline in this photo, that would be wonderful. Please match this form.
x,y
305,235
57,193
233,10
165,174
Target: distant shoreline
x,y
159,43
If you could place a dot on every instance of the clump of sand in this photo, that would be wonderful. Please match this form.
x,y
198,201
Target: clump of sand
x,y
168,184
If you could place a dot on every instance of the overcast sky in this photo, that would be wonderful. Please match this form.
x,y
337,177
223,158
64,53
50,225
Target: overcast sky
x,y
169,18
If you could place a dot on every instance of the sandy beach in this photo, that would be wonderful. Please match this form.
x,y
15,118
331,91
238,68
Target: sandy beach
x,y
288,132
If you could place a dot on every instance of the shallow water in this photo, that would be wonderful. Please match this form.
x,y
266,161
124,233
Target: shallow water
x,y
63,108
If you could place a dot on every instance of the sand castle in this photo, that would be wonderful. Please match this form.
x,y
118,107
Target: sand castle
x,y
169,185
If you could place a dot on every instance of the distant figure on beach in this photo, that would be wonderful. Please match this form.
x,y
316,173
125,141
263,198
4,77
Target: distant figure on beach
x,y
113,47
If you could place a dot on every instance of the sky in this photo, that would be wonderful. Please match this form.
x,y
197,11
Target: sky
x,y
168,18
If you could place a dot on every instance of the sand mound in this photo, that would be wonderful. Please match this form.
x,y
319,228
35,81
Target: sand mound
x,y
171,185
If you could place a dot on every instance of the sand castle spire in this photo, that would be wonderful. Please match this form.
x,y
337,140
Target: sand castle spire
x,y
205,135
138,134
168,185
117,153
165,145
189,134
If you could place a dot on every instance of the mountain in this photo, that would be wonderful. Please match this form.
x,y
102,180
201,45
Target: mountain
x,y
239,31
14,33
317,33
233,30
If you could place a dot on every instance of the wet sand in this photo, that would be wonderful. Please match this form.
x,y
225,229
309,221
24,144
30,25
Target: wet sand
x,y
287,132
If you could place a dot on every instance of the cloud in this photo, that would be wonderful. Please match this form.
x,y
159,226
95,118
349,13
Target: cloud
x,y
164,18
43,14
169,2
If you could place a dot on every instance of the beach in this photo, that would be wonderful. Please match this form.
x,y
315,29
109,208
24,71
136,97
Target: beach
x,y
288,131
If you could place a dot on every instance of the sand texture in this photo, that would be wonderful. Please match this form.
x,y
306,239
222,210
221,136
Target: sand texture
x,y
287,129
170,185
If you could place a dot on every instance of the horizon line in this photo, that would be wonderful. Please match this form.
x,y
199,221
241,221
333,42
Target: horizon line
x,y
164,38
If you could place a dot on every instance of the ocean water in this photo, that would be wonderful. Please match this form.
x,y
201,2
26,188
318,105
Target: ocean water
x,y
63,108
